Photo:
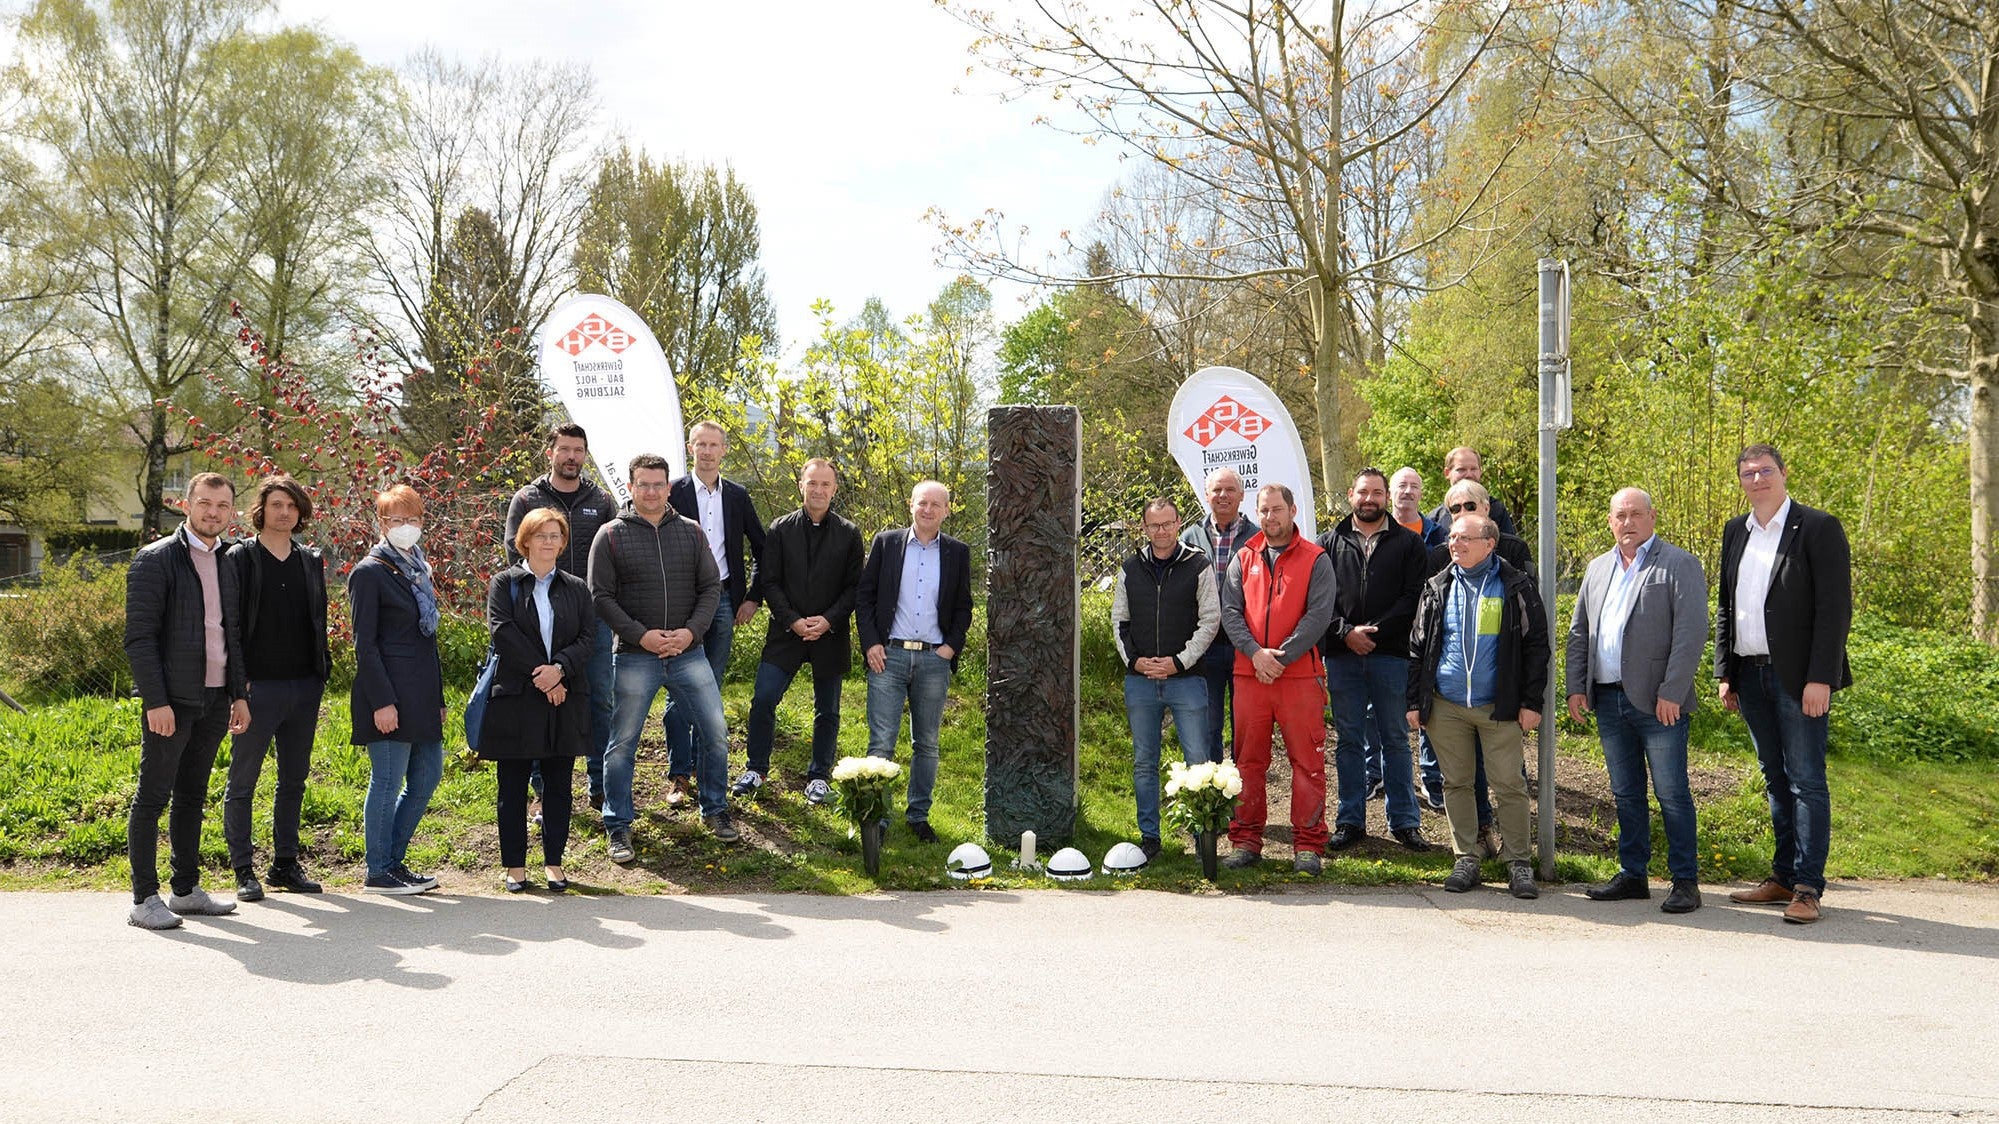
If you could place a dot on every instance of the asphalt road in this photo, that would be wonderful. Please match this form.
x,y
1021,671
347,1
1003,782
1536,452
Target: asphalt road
x,y
1407,1004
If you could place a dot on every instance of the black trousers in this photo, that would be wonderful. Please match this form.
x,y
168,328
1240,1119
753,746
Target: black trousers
x,y
556,773
174,770
286,710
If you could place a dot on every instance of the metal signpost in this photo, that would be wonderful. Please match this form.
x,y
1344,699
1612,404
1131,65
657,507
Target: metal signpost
x,y
1555,416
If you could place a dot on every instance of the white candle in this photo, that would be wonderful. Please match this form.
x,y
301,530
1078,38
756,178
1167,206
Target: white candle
x,y
1027,848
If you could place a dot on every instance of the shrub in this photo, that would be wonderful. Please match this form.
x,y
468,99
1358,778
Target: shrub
x,y
66,637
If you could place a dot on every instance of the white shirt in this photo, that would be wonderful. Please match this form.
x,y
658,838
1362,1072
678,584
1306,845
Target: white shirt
x,y
1752,582
709,502
1616,612
545,612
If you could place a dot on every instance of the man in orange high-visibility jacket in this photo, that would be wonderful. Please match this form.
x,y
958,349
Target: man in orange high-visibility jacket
x,y
1276,603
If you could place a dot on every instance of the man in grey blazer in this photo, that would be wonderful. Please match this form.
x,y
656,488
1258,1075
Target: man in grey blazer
x,y
1634,644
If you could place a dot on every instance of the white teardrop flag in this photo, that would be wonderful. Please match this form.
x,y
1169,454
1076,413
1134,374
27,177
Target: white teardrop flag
x,y
606,366
1226,418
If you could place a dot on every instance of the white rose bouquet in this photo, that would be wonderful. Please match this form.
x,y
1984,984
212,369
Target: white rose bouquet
x,y
864,789
1203,796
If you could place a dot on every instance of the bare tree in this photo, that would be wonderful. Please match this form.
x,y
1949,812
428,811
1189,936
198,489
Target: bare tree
x,y
511,144
1252,101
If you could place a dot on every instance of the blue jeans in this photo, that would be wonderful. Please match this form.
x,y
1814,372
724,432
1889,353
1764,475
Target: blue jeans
x,y
1634,741
1791,749
401,777
716,642
1218,670
920,679
1355,682
772,682
1146,702
689,682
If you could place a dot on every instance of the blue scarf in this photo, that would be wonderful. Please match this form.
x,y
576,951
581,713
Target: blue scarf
x,y
417,573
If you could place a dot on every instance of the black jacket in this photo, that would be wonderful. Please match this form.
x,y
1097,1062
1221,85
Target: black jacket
x,y
881,584
166,641
587,508
1380,590
1521,674
739,522
395,664
1163,613
645,577
1809,608
795,589
246,558
519,722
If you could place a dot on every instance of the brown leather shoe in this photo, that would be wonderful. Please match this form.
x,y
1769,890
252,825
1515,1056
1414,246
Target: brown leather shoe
x,y
1767,892
677,794
1804,907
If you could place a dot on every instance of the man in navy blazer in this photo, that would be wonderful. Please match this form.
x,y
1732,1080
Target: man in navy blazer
x,y
1786,605
913,607
1634,649
728,519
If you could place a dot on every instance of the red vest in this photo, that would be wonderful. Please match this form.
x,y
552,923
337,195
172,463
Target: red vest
x,y
1273,600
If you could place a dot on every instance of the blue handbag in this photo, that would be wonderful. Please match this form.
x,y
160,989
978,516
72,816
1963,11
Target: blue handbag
x,y
475,706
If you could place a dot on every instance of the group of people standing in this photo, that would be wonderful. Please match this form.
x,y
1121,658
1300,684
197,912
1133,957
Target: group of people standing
x,y
601,608
1433,624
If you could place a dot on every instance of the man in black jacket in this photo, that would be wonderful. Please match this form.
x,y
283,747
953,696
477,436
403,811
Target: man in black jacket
x,y
283,588
1480,666
810,568
1463,463
653,580
184,642
587,507
1165,612
1780,652
1380,567
726,516
914,605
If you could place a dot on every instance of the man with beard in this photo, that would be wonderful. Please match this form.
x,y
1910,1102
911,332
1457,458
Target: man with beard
x,y
1378,567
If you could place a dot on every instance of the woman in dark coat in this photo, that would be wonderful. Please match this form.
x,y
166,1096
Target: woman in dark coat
x,y
544,627
398,700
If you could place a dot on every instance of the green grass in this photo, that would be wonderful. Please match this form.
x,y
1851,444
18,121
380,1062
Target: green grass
x,y
1911,798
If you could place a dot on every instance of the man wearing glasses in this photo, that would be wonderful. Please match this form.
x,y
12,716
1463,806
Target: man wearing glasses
x,y
1164,615
1786,604
1480,644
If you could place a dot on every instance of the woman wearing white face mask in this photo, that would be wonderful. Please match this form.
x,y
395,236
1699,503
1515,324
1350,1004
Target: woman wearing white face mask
x,y
398,697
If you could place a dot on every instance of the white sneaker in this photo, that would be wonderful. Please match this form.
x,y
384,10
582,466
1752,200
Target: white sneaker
x,y
747,784
817,791
153,914
197,903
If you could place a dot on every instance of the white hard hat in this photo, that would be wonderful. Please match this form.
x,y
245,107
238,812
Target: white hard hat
x,y
1069,865
969,860
1125,858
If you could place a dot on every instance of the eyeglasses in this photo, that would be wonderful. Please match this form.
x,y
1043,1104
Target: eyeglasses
x,y
1162,526
1468,505
649,487
1470,538
547,536
1752,475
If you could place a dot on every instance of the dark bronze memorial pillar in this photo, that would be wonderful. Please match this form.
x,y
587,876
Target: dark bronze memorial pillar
x,y
1033,631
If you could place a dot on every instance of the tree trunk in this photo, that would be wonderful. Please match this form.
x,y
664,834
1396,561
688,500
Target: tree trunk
x,y
153,485
1983,364
1328,328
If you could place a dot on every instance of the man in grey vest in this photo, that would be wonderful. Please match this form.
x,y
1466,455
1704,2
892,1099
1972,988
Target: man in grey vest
x,y
1634,644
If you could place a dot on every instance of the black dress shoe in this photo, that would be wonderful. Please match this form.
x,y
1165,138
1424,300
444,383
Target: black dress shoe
x,y
247,889
1411,838
922,830
288,875
1625,886
558,885
1346,835
514,887
1685,898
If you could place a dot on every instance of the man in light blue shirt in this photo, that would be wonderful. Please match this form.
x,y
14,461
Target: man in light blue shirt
x,y
914,606
1634,644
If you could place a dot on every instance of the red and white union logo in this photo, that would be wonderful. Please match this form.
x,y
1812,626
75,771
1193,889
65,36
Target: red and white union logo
x,y
595,329
1225,415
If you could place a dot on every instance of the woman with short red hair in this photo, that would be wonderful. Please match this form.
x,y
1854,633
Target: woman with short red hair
x,y
398,697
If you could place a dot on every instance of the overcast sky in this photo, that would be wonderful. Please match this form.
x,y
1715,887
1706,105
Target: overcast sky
x,y
841,118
